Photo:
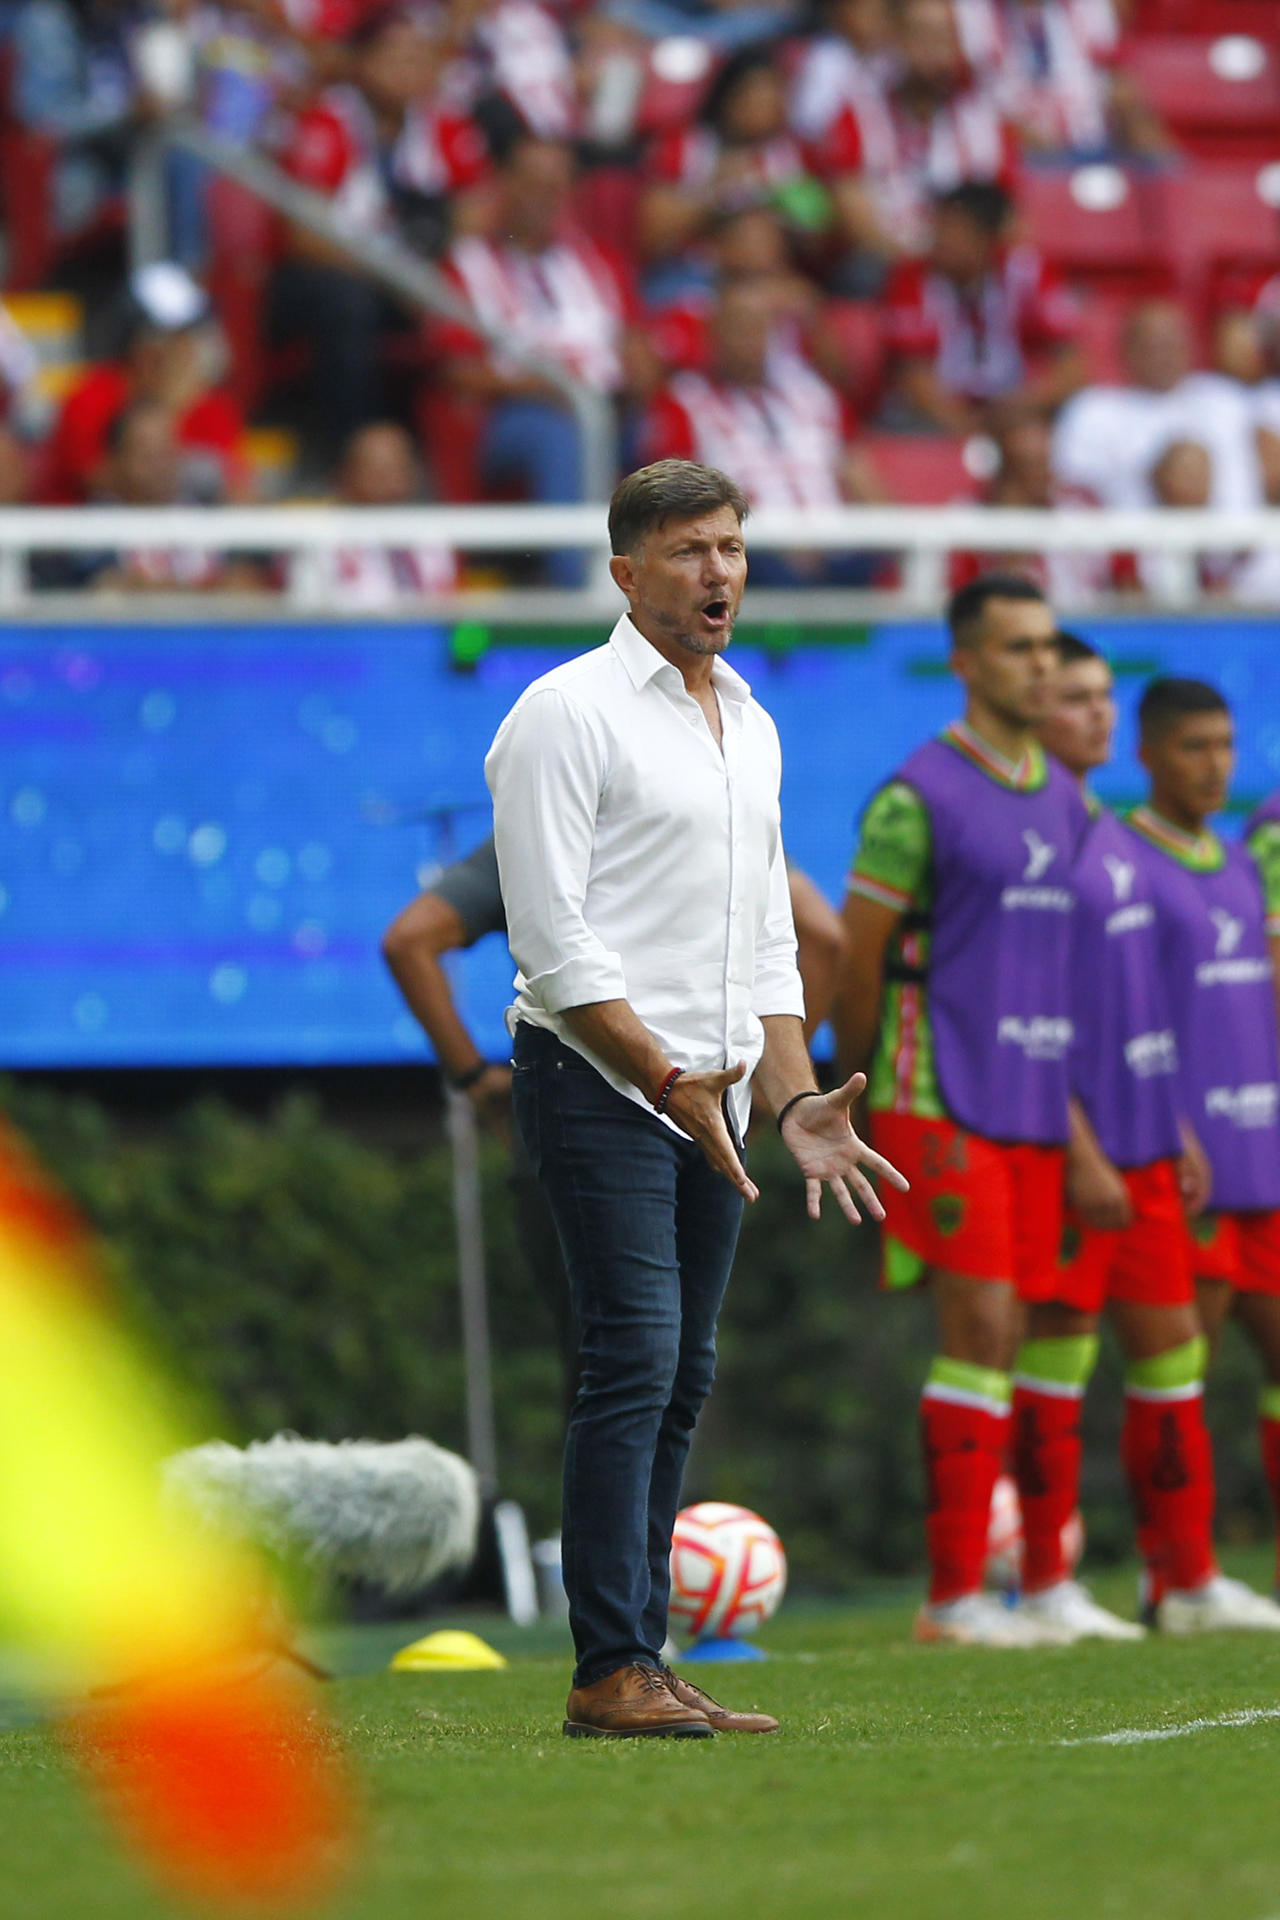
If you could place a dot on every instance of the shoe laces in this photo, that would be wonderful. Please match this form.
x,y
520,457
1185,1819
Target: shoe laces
x,y
669,1680
653,1679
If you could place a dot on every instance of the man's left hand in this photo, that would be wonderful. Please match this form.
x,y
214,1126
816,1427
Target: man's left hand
x,y
820,1138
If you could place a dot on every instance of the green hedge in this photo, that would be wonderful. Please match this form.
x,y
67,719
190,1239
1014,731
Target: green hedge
x,y
306,1280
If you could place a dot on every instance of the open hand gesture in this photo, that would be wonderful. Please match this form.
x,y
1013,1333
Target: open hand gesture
x,y
696,1103
820,1136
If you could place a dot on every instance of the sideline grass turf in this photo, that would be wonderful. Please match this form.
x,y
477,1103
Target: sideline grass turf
x,y
908,1784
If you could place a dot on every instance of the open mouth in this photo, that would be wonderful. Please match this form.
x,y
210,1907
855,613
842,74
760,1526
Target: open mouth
x,y
716,612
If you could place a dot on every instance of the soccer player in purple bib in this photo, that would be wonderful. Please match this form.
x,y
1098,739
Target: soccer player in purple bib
x,y
1262,837
956,989
1213,942
1133,1172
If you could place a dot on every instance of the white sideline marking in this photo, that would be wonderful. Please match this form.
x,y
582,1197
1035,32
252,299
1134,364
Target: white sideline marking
x,y
1135,1736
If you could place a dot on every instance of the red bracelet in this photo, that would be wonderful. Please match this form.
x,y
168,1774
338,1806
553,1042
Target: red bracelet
x,y
660,1104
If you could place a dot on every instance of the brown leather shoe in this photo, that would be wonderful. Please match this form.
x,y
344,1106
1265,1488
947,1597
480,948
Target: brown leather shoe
x,y
723,1719
633,1702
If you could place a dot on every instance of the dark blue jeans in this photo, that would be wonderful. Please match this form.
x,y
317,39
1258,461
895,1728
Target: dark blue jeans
x,y
648,1231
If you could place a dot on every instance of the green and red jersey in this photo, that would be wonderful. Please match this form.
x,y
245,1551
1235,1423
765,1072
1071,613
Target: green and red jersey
x,y
894,867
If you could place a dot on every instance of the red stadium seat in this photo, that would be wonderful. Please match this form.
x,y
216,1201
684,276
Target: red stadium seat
x,y
1102,318
1219,224
1209,17
921,470
1101,224
1220,95
674,87
851,350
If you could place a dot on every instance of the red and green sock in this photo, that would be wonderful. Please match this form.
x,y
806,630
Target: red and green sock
x,y
1269,1436
1049,1381
964,1425
1169,1462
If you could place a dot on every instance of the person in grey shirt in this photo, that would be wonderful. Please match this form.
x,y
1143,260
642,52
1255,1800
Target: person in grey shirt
x,y
460,908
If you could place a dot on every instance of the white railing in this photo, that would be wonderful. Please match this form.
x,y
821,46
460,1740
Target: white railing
x,y
924,537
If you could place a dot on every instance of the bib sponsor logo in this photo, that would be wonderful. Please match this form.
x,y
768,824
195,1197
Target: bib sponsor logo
x,y
1151,1053
1042,1037
1245,972
1230,932
1040,854
1122,873
1042,899
1040,857
1246,1108
1129,919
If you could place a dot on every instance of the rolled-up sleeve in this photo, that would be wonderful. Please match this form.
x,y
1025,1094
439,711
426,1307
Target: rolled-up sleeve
x,y
778,987
546,770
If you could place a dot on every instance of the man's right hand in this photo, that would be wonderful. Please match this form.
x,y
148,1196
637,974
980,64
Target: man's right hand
x,y
695,1103
1097,1192
490,1098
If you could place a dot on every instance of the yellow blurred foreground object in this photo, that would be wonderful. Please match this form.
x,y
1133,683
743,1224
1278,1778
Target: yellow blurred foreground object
x,y
449,1651
214,1764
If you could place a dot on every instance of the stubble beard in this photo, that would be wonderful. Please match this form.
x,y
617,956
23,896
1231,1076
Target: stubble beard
x,y
695,643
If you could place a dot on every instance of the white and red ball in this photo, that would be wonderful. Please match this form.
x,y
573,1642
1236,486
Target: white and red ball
x,y
1004,1537
728,1571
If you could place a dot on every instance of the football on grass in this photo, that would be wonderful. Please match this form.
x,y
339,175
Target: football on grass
x,y
728,1572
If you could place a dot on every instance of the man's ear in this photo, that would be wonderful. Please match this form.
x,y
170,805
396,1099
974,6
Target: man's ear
x,y
960,660
1144,755
623,571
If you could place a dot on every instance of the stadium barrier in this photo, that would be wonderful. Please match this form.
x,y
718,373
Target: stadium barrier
x,y
922,538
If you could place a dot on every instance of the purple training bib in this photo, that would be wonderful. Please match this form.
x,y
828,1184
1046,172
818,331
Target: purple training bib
x,y
1000,943
1218,973
1125,1059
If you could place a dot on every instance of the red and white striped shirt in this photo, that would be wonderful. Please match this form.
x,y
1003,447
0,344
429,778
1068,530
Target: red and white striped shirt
x,y
980,343
851,125
331,144
520,51
1046,65
690,157
373,577
782,441
571,303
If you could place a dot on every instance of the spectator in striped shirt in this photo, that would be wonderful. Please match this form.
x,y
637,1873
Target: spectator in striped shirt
x,y
739,154
983,329
539,282
764,415
1054,66
887,149
346,143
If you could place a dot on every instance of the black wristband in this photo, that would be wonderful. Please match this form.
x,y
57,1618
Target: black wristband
x,y
473,1075
810,1093
660,1104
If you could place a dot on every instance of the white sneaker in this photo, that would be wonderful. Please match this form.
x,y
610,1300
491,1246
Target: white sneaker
x,y
1219,1604
1071,1607
980,1620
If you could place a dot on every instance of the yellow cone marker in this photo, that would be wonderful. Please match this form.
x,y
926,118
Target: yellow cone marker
x,y
449,1651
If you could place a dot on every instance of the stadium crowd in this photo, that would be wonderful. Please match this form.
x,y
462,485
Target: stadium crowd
x,y
1018,251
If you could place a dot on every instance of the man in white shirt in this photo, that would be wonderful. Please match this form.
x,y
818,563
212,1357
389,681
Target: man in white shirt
x,y
635,798
1108,439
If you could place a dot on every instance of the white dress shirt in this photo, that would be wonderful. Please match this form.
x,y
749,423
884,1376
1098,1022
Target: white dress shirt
x,y
640,862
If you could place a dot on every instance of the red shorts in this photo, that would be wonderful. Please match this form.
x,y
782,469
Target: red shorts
x,y
1243,1248
976,1207
1149,1262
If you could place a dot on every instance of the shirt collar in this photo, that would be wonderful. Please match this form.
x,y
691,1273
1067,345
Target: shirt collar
x,y
643,661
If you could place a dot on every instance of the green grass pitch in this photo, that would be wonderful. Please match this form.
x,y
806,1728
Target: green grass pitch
x,y
907,1784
